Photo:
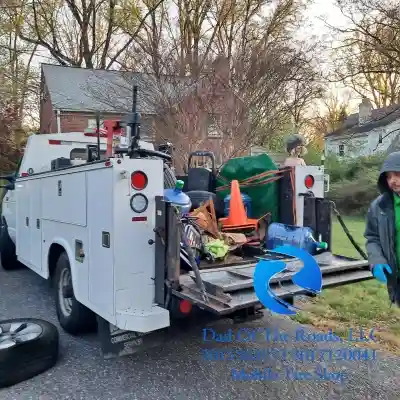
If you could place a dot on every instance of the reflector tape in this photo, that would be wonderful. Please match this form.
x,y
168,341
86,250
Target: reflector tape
x,y
139,219
60,142
94,134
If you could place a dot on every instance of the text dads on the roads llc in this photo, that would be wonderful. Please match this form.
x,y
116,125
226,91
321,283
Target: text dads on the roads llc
x,y
274,335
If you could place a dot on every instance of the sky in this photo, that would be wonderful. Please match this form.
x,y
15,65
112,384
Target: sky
x,y
325,9
318,13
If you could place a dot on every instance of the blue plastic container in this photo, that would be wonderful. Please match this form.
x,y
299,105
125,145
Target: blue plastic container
x,y
246,202
301,237
178,198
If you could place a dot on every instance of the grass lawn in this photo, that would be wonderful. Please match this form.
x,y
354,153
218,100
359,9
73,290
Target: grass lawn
x,y
363,304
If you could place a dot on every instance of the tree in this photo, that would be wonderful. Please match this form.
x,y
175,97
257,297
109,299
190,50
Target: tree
x,y
19,80
239,57
330,115
305,88
367,57
186,47
82,33
8,147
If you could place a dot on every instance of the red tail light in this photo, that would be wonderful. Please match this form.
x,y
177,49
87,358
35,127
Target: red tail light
x,y
51,141
185,306
309,181
138,180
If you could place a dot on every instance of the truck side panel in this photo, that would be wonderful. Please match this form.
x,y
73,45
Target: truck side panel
x,y
100,224
64,198
23,235
134,251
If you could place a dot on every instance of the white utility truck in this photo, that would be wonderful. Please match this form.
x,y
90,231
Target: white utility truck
x,y
99,229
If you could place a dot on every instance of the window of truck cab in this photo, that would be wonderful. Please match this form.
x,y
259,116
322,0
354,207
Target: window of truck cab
x,y
80,154
16,174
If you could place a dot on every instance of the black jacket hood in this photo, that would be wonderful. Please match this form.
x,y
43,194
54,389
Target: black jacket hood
x,y
392,163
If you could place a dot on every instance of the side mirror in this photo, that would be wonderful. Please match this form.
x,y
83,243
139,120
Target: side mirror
x,y
9,178
9,186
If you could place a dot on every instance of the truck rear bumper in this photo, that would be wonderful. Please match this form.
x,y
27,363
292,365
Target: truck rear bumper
x,y
231,288
143,321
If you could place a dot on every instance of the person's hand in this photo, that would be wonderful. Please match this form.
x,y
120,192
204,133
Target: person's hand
x,y
379,272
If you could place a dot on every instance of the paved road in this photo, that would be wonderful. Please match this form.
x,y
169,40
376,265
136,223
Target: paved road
x,y
178,370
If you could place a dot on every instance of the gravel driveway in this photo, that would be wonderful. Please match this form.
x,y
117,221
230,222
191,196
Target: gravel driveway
x,y
182,369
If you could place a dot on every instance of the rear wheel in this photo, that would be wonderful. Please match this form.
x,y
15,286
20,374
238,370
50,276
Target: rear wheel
x,y
8,256
73,316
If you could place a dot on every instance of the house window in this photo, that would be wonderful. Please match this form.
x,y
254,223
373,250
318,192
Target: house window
x,y
91,124
81,154
341,150
212,127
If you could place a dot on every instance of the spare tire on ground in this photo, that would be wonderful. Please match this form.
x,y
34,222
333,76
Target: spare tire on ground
x,y
197,197
28,347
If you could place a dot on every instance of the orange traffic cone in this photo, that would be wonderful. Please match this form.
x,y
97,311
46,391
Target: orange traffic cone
x,y
237,218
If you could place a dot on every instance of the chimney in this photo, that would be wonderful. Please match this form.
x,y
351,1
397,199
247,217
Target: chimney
x,y
364,111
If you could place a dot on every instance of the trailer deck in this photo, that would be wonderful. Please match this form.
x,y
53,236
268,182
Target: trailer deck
x,y
230,288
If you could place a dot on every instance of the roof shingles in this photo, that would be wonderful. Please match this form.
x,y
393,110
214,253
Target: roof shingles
x,y
80,89
379,117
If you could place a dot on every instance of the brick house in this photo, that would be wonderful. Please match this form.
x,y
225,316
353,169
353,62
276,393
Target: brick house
x,y
210,115
205,114
71,97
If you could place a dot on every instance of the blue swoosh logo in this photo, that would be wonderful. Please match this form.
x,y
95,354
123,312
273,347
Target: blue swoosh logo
x,y
309,278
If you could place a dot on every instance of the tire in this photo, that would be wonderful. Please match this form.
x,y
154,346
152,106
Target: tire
x,y
199,196
73,316
29,358
169,177
8,256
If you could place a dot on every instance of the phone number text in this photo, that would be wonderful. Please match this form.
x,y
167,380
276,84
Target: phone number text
x,y
293,354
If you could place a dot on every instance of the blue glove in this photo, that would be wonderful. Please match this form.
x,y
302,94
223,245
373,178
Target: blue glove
x,y
379,270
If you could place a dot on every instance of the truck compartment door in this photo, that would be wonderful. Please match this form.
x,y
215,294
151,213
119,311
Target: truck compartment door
x,y
24,223
230,288
101,237
35,189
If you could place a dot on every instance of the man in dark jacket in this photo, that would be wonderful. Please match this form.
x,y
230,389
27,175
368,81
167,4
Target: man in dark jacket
x,y
383,228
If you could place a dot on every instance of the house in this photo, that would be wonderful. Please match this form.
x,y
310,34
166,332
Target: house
x,y
368,132
193,115
71,97
210,116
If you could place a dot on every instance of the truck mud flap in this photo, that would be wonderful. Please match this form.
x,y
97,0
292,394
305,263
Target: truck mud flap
x,y
230,288
117,342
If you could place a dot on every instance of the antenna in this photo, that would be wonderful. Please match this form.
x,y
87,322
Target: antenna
x,y
134,126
